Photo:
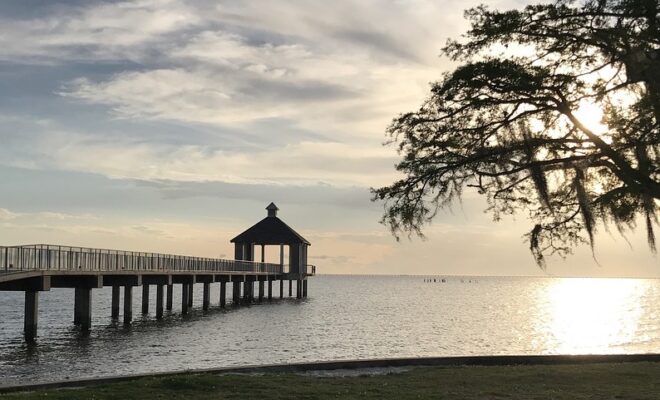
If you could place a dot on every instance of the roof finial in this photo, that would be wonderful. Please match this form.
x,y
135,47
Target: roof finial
x,y
272,210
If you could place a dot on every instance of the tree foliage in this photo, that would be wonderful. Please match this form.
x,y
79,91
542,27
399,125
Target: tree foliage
x,y
507,122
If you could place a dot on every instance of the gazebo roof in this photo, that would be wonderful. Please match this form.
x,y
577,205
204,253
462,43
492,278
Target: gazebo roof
x,y
270,230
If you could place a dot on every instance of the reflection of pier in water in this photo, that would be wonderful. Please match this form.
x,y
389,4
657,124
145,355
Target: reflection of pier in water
x,y
36,268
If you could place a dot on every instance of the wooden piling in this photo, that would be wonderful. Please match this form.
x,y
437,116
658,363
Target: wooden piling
x,y
261,290
159,301
223,293
236,293
128,304
170,295
185,298
85,309
76,306
145,299
206,298
270,289
191,288
31,316
114,312
247,288
281,288
299,289
290,287
304,293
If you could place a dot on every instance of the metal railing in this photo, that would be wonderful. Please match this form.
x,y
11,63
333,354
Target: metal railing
x,y
43,257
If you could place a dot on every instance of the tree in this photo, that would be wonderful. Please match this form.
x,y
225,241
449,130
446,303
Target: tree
x,y
506,122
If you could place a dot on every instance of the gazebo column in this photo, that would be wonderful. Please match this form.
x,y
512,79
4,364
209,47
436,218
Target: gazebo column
x,y
263,253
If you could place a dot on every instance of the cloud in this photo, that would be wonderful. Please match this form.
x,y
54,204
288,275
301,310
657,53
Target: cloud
x,y
6,215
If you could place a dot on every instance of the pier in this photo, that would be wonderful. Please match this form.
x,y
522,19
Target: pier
x,y
36,268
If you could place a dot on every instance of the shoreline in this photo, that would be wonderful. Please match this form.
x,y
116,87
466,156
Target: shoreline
x,y
458,361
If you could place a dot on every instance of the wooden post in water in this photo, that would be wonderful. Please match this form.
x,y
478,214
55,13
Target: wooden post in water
x,y
236,293
31,315
299,289
290,287
206,298
185,298
270,289
85,309
247,288
145,299
128,304
191,287
114,309
76,305
261,290
281,288
159,301
170,295
304,293
223,293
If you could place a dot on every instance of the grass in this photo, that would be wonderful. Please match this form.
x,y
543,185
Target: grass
x,y
592,381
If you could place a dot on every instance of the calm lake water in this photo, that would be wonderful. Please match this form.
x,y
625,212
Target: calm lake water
x,y
344,317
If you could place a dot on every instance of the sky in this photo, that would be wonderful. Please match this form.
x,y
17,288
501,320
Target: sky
x,y
169,126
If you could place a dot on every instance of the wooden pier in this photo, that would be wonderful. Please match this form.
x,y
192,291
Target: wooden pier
x,y
36,268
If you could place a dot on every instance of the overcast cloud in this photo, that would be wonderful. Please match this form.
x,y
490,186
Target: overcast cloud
x,y
168,125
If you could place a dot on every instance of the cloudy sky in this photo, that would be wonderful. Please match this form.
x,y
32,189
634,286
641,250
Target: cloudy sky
x,y
168,125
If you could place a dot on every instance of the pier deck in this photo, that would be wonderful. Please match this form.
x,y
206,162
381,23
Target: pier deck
x,y
36,268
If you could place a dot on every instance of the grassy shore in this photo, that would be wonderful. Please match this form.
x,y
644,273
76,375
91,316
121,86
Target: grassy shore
x,y
639,380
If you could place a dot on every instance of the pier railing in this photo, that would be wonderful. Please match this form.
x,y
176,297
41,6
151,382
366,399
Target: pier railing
x,y
65,258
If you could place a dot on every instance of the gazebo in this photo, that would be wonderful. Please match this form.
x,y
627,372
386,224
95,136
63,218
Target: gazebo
x,y
272,231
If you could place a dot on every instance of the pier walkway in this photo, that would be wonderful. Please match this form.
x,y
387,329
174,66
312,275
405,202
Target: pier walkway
x,y
36,268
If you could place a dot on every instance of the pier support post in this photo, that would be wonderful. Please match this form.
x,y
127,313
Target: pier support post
x,y
31,316
170,295
247,288
270,289
261,290
85,309
76,305
281,288
185,298
159,301
299,289
304,293
128,304
223,293
206,298
290,288
191,287
145,299
236,293
114,312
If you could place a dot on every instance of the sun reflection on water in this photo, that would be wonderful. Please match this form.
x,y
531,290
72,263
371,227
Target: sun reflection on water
x,y
593,315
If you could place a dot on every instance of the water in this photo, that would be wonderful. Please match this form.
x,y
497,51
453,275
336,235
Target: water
x,y
343,318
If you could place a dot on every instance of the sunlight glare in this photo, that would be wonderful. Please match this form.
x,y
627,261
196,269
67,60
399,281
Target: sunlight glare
x,y
594,315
